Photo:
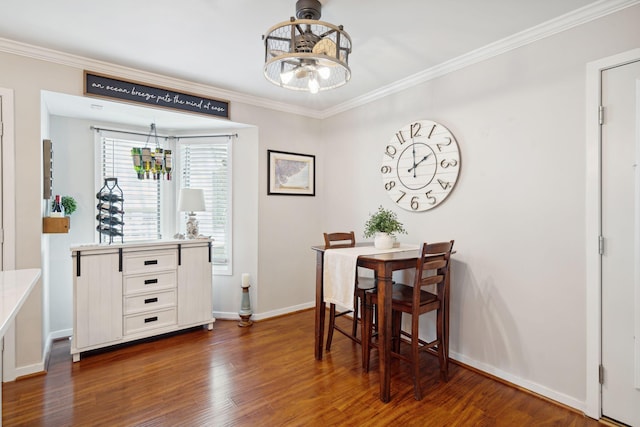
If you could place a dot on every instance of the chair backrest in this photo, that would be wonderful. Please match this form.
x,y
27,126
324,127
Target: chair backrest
x,y
435,261
339,240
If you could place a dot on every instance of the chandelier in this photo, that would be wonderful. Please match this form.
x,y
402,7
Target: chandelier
x,y
307,54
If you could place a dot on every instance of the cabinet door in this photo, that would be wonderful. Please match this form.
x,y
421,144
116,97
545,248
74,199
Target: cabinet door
x,y
195,304
98,300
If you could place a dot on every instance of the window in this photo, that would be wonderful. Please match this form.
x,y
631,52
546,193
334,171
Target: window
x,y
205,163
150,205
142,200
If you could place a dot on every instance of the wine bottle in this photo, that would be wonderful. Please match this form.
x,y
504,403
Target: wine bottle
x,y
109,197
146,161
105,207
109,220
136,155
105,229
159,165
56,209
167,163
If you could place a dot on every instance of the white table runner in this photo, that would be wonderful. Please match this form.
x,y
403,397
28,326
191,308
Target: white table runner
x,y
340,271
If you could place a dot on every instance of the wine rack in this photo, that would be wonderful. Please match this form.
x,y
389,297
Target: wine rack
x,y
110,212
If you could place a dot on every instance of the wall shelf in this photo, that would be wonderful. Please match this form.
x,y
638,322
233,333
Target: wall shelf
x,y
55,224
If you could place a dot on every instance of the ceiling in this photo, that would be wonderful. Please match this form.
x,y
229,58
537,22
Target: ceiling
x,y
219,42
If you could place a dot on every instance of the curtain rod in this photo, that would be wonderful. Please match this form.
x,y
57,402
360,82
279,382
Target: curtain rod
x,y
165,136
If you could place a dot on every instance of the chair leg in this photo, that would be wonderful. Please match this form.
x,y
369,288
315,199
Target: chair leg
x,y
442,352
366,331
396,327
354,331
415,360
332,324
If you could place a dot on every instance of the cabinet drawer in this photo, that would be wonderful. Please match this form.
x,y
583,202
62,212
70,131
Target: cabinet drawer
x,y
149,302
149,282
151,320
151,261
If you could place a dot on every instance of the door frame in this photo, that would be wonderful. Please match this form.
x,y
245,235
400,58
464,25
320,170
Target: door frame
x,y
8,181
593,220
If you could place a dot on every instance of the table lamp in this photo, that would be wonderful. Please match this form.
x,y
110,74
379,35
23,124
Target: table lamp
x,y
191,200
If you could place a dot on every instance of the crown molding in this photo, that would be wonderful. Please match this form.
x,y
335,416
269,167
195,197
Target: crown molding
x,y
562,23
554,26
84,63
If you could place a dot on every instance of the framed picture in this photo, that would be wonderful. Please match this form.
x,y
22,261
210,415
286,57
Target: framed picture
x,y
291,174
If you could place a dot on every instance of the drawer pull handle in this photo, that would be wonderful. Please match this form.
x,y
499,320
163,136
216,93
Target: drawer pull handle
x,y
150,281
150,300
150,319
151,262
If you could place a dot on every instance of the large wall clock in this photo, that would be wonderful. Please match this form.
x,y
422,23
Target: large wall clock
x,y
420,165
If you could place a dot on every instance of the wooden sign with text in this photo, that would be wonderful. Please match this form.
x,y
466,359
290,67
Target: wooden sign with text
x,y
114,88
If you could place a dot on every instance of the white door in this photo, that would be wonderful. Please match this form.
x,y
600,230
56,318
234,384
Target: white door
x,y
621,254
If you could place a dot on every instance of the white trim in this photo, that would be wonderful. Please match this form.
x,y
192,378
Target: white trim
x,y
83,63
572,19
225,315
8,181
593,407
577,17
531,386
8,219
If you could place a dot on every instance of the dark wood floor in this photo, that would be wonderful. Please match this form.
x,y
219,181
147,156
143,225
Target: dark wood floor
x,y
264,375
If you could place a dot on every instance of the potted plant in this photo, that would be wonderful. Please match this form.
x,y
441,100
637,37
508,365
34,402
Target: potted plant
x,y
382,225
69,205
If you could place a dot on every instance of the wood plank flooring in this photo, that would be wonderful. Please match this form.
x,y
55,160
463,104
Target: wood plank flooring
x,y
264,375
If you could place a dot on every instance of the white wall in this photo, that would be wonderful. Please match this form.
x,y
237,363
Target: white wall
x,y
518,210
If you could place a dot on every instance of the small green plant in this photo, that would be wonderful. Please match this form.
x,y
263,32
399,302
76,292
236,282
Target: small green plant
x,y
383,221
69,204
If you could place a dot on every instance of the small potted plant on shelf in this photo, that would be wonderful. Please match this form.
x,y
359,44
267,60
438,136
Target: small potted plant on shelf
x,y
382,225
69,205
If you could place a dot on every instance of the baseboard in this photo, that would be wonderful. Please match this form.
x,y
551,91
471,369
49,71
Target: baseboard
x,y
222,315
520,383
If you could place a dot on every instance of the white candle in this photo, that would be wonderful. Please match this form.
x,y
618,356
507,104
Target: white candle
x,y
245,279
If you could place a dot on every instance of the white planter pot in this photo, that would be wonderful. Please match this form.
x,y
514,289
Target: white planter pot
x,y
383,241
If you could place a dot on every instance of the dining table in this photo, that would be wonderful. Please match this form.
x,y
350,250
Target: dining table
x,y
383,265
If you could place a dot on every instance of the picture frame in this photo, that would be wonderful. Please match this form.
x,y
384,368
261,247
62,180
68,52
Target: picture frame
x,y
291,174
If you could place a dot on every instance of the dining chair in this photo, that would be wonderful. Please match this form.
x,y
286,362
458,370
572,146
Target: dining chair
x,y
362,285
432,270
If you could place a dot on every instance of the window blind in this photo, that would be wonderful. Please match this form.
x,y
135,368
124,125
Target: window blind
x,y
205,164
141,205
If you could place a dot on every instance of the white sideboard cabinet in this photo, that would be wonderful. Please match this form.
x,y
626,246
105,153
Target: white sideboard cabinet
x,y
129,291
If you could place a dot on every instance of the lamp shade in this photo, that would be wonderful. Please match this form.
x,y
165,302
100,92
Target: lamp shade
x,y
191,200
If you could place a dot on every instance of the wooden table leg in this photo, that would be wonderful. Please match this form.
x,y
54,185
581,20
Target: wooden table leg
x,y
320,305
384,331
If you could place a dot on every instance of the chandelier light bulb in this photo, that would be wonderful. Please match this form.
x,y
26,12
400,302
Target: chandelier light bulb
x,y
286,76
324,72
314,86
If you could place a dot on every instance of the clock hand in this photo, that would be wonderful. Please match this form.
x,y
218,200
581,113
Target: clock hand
x,y
416,164
413,146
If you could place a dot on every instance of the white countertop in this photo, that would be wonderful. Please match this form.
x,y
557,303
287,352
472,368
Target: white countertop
x,y
15,286
139,244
